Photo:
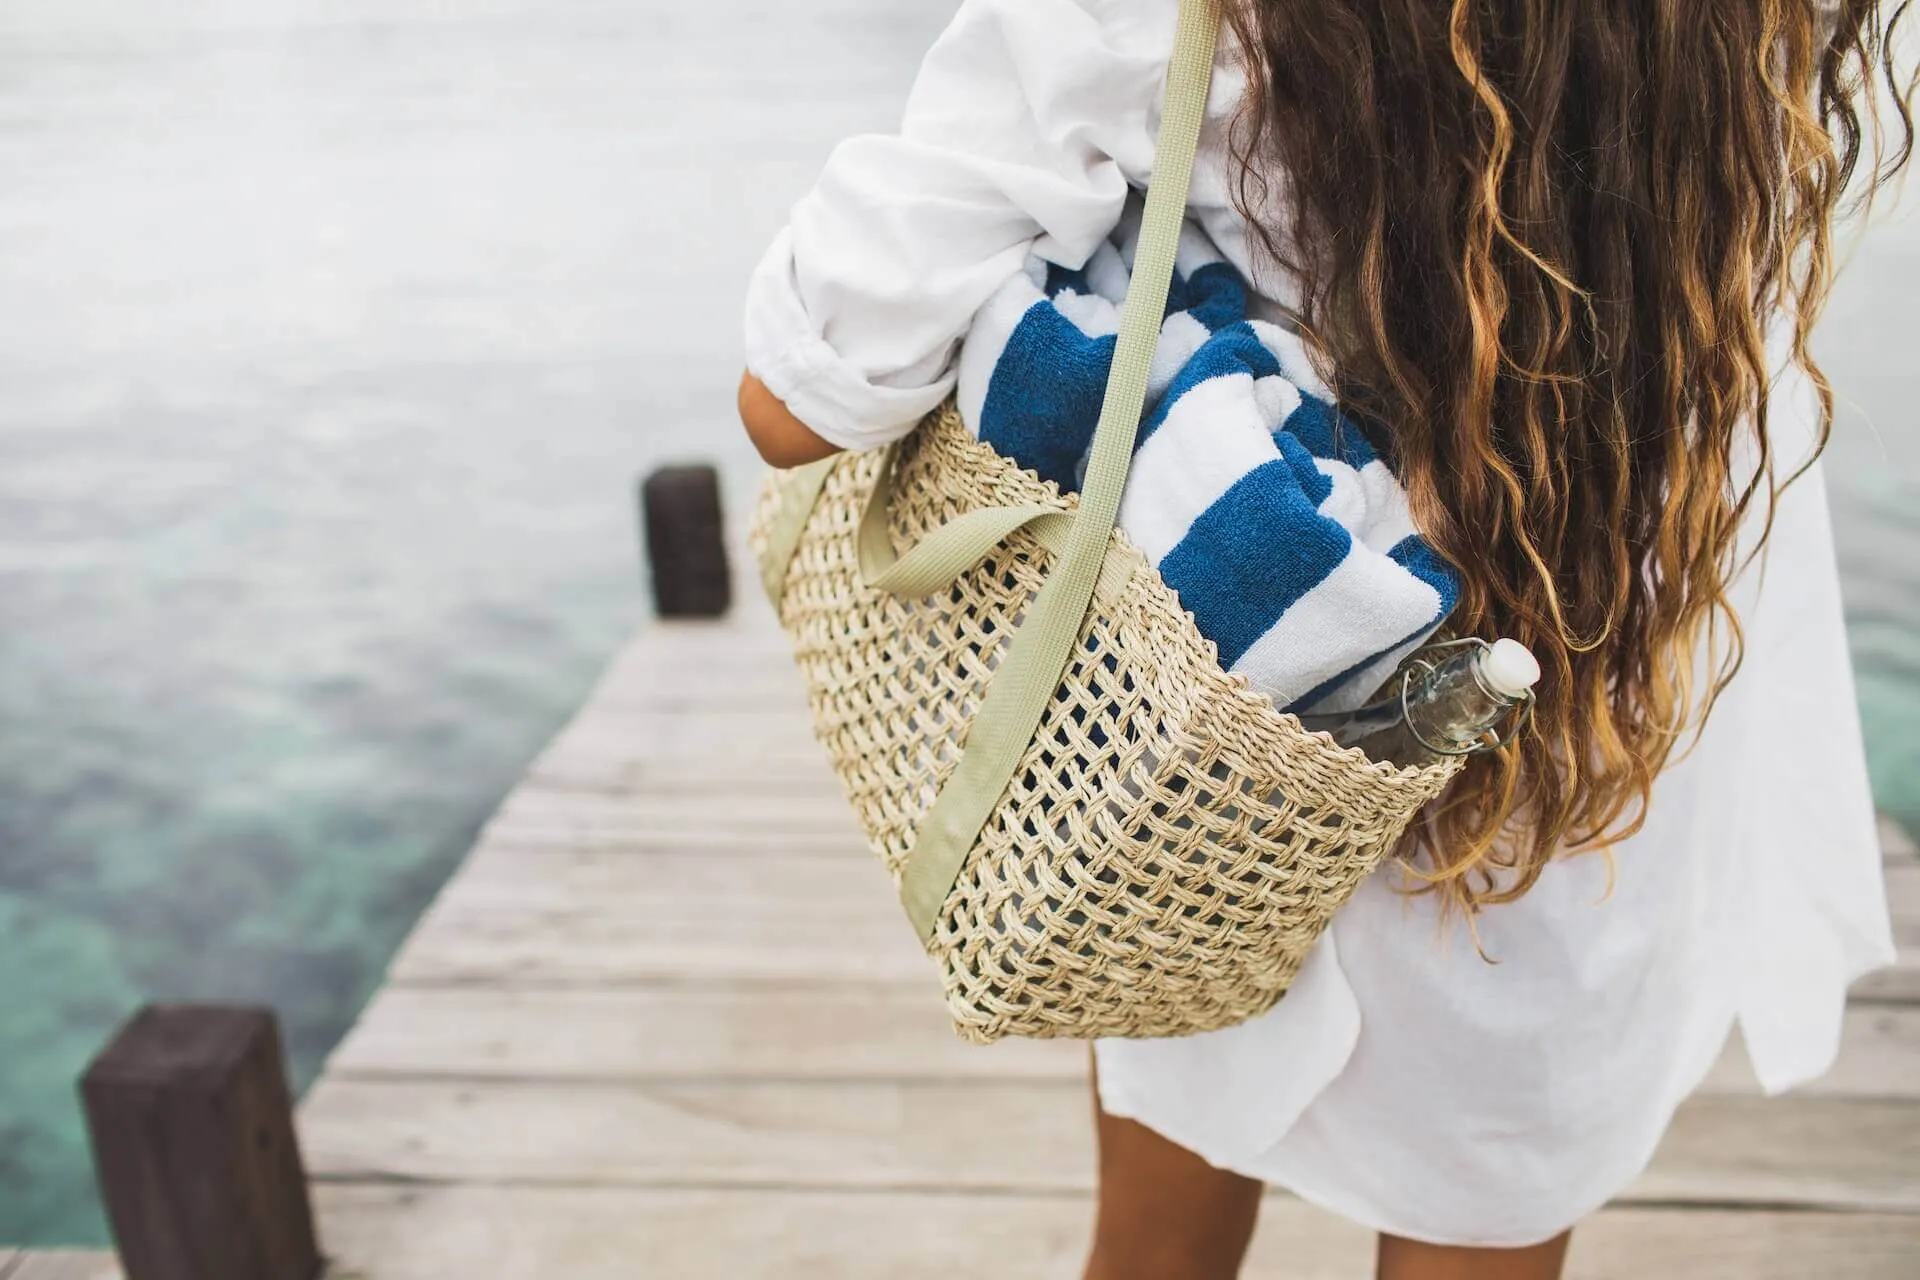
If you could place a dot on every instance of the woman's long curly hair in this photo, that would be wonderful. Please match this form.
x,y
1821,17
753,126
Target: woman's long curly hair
x,y
1545,240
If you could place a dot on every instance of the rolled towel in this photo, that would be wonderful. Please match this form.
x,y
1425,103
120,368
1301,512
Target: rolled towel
x,y
1271,516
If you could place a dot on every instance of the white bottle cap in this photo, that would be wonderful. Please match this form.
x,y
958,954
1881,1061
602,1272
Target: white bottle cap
x,y
1509,668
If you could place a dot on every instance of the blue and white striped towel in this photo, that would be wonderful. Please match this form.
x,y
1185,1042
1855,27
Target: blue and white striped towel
x,y
1276,523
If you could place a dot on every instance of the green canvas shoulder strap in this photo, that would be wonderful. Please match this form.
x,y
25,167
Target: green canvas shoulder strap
x,y
1029,675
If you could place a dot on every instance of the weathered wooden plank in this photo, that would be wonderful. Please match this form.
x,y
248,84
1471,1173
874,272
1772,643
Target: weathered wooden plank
x,y
514,917
528,1233
63,1264
619,756
847,1033
803,771
1655,1244
691,839
725,736
769,688
750,629
684,1133
1895,843
714,1033
1903,901
518,1233
1845,1153
1899,983
707,709
703,682
631,765
1026,1136
738,668
661,658
814,820
643,685
819,806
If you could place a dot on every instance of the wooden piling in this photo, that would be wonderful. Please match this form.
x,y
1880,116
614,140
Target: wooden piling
x,y
686,542
192,1128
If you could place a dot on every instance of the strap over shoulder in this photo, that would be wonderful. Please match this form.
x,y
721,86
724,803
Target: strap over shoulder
x,y
1079,541
1030,673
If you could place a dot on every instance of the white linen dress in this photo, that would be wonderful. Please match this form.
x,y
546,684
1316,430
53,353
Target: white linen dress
x,y
1405,1082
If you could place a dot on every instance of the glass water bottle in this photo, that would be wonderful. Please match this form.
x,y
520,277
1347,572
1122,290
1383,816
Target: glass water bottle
x,y
1449,700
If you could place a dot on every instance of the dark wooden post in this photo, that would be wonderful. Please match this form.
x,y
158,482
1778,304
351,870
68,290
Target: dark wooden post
x,y
193,1144
686,542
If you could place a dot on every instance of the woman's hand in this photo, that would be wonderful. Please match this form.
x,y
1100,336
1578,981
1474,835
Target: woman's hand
x,y
782,439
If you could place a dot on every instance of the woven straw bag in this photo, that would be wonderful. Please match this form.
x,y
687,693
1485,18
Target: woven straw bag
x,y
1095,829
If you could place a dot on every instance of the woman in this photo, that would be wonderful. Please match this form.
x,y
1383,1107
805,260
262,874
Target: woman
x,y
1563,256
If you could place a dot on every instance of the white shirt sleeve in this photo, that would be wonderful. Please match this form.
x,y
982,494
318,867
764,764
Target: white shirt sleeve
x,y
1021,131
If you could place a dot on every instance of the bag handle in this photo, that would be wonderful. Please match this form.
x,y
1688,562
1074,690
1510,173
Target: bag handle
x,y
932,563
1030,672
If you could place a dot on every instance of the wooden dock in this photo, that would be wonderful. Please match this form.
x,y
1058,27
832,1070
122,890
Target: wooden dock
x,y
666,1021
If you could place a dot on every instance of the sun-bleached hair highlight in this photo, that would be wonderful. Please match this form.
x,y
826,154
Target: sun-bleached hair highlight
x,y
1540,245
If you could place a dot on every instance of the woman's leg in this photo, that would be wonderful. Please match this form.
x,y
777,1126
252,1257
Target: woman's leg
x,y
1164,1213
1411,1260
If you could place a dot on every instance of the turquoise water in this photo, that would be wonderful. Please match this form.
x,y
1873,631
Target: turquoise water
x,y
336,333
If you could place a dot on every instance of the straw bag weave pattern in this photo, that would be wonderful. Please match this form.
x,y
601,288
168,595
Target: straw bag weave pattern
x,y
1169,847
1095,829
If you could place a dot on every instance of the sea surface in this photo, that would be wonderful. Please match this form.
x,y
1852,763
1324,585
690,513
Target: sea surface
x,y
334,335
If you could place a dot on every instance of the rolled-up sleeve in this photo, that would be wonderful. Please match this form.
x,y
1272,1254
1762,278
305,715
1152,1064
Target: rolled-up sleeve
x,y
1009,142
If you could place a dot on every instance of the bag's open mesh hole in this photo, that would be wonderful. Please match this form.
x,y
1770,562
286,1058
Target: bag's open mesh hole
x,y
1169,847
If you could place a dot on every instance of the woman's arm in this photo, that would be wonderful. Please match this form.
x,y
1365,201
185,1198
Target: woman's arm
x,y
782,439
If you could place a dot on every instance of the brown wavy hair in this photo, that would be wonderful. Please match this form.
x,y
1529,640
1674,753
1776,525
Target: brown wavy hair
x,y
1539,242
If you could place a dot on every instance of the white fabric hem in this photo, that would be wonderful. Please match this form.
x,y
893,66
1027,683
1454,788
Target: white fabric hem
x,y
1690,1071
1788,1049
1116,1100
785,350
1356,1213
